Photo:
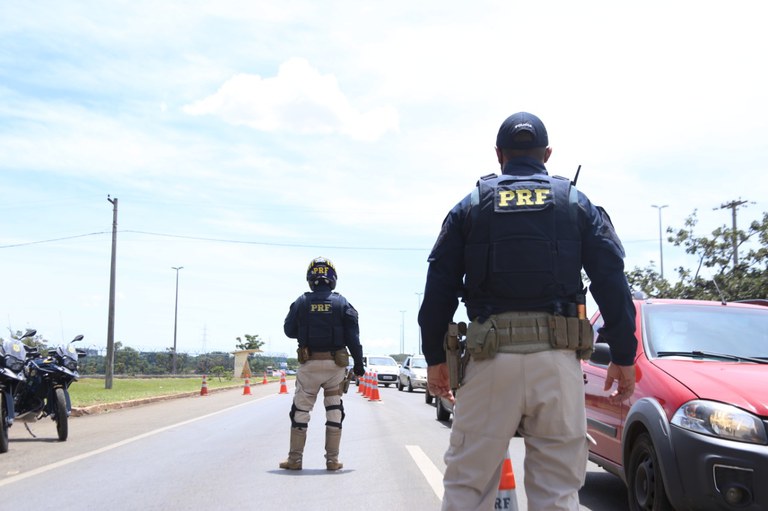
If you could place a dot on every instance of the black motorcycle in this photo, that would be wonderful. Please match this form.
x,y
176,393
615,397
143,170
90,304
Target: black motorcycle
x,y
46,390
12,357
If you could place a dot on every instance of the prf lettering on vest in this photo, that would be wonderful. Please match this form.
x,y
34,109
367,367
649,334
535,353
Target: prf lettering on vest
x,y
523,197
320,307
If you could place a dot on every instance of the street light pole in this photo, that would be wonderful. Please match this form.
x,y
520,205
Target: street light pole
x,y
418,327
175,319
661,252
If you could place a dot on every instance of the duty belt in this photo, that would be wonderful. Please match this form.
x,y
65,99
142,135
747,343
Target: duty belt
x,y
320,355
524,332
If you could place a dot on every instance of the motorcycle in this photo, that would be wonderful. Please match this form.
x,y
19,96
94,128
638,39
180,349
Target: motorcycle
x,y
12,357
46,390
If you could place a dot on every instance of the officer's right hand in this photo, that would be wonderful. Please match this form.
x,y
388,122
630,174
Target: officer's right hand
x,y
358,369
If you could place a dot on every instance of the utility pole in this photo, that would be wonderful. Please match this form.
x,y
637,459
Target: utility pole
x,y
402,332
733,205
418,327
175,318
110,360
661,252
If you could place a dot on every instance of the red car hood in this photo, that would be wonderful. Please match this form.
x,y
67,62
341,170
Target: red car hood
x,y
741,384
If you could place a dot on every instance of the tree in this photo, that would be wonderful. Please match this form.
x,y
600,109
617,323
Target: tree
x,y
251,342
748,279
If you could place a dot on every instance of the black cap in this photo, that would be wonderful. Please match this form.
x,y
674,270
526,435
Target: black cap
x,y
518,123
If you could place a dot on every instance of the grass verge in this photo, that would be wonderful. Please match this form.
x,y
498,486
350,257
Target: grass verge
x,y
91,391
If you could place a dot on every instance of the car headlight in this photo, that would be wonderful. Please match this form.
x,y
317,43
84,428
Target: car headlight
x,y
720,420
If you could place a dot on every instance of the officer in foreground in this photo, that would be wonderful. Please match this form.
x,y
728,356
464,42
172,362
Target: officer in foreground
x,y
326,326
513,250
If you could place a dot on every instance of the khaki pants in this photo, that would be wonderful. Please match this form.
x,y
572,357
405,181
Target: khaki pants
x,y
312,376
541,395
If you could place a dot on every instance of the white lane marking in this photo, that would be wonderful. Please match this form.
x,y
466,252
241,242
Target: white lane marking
x,y
121,443
431,473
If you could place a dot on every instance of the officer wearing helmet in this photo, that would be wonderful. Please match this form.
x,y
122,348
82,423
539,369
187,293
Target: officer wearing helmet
x,y
513,250
326,326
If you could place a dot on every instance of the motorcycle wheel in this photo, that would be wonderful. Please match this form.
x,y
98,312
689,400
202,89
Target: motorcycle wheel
x,y
62,428
3,424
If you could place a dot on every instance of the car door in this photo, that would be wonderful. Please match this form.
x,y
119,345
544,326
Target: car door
x,y
404,371
604,419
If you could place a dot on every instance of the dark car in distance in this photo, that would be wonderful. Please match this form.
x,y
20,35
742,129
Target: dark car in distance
x,y
694,436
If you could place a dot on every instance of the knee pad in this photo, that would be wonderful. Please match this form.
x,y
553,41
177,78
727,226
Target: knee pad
x,y
292,415
328,414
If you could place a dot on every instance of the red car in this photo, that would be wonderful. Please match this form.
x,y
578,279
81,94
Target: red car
x,y
694,436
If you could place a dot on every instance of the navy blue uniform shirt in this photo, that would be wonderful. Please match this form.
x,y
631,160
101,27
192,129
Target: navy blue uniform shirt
x,y
601,257
329,333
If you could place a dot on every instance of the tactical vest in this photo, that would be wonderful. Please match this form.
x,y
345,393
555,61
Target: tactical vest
x,y
523,244
321,321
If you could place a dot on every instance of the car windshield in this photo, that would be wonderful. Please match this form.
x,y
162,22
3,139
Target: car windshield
x,y
419,363
675,329
382,361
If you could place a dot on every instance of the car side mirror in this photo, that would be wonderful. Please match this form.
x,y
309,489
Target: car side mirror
x,y
601,354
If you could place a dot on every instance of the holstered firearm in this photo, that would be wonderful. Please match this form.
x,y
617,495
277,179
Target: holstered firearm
x,y
456,355
303,353
348,376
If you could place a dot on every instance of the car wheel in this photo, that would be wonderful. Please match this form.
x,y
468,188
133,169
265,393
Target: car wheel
x,y
410,385
399,385
428,398
442,413
645,486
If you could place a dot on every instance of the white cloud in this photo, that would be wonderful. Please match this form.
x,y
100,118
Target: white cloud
x,y
298,100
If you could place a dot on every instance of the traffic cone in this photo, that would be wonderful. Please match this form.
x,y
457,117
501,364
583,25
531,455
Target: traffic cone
x,y
204,388
367,383
360,384
264,381
283,386
247,387
506,498
375,388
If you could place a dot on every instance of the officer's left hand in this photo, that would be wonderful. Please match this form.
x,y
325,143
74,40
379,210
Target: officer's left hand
x,y
358,369
625,379
438,381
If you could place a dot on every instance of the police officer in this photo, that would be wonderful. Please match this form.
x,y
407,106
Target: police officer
x,y
326,326
513,251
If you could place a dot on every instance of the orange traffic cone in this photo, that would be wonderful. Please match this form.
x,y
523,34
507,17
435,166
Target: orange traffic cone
x,y
283,386
204,388
374,388
506,498
264,381
247,387
360,384
367,383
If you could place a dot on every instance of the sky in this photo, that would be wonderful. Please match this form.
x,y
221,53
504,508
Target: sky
x,y
239,140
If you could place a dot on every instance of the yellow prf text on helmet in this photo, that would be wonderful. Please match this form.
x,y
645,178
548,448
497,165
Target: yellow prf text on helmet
x,y
321,269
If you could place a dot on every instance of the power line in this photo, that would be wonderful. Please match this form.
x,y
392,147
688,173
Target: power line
x,y
270,244
223,240
53,240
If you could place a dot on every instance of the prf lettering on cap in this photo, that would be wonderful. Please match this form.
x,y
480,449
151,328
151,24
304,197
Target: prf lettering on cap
x,y
320,308
522,197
